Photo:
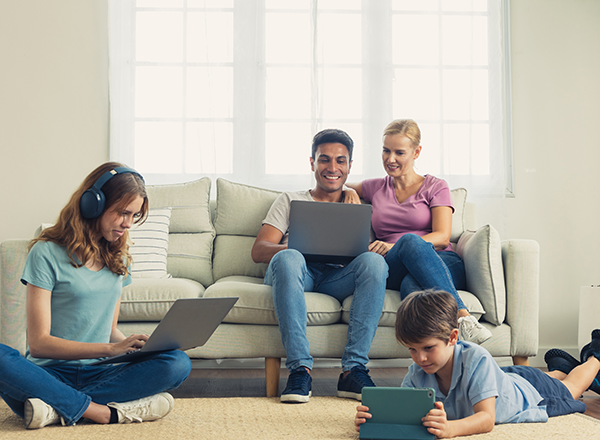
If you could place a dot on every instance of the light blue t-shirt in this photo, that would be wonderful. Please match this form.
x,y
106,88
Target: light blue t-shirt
x,y
83,301
475,377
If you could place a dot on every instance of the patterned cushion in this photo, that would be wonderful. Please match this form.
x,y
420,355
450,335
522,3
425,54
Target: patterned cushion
x,y
150,244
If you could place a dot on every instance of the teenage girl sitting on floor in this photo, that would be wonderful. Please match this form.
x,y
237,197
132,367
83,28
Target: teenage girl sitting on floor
x,y
74,273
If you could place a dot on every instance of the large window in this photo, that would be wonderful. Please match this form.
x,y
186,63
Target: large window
x,y
237,88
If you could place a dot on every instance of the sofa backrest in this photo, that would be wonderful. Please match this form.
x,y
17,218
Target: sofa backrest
x,y
239,212
212,239
191,232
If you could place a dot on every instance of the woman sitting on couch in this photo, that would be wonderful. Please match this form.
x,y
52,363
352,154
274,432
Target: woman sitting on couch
x,y
412,221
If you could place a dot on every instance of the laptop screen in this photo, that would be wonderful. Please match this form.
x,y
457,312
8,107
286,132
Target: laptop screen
x,y
329,232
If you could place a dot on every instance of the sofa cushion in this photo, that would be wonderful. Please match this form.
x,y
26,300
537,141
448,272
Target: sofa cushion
x,y
482,253
190,256
149,299
255,303
240,210
189,202
232,257
459,198
191,233
150,242
392,300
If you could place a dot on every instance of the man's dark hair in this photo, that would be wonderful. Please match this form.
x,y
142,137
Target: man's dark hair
x,y
332,136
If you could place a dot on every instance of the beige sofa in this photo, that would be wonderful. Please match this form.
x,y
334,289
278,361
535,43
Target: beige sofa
x,y
209,246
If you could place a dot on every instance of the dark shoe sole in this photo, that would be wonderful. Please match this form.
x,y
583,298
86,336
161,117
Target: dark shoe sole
x,y
560,360
586,351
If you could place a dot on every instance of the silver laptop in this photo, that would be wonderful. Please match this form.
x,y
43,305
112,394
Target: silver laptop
x,y
329,232
189,323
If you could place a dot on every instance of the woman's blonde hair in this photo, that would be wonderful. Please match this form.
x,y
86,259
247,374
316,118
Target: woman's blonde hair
x,y
405,127
80,235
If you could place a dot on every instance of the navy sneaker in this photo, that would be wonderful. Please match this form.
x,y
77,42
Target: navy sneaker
x,y
560,360
593,348
351,386
298,388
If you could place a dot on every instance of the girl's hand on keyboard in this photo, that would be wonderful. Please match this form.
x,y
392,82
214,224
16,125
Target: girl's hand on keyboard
x,y
131,343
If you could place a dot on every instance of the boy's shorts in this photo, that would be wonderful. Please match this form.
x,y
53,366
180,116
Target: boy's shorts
x,y
557,397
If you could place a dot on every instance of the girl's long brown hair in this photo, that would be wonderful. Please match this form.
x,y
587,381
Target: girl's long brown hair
x,y
83,237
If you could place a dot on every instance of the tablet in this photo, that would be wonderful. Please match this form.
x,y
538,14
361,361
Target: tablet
x,y
396,413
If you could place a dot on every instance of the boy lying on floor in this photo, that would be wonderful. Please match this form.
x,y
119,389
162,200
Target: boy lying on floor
x,y
472,392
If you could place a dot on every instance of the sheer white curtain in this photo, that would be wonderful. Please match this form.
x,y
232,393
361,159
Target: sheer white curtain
x,y
237,88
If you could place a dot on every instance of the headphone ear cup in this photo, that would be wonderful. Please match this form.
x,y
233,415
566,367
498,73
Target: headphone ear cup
x,y
92,203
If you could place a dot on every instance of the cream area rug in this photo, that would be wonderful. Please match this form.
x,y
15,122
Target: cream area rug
x,y
323,418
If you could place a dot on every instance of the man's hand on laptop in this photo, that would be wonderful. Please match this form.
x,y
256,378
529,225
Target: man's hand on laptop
x,y
131,343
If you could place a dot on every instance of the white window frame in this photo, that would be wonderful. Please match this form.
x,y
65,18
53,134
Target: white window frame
x,y
248,109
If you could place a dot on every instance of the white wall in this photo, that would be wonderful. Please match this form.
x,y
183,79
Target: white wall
x,y
53,106
54,130
556,109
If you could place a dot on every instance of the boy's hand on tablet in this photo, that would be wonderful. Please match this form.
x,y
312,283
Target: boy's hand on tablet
x,y
362,415
436,422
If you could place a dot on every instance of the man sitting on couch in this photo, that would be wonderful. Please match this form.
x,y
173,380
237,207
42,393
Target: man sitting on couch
x,y
290,276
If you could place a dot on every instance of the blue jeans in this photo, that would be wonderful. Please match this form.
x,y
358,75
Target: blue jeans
x,y
69,390
290,276
416,265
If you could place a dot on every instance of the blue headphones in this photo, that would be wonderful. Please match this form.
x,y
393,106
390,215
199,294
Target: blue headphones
x,y
93,200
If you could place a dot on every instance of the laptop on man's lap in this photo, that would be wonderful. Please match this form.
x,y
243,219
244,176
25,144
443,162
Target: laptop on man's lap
x,y
327,232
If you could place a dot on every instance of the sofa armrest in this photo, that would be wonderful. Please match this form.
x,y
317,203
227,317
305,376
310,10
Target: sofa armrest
x,y
521,261
13,322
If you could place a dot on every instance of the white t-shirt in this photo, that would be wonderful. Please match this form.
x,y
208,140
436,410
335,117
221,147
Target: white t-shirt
x,y
279,213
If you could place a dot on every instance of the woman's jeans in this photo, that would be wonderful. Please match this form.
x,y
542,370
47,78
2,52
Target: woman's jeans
x,y
69,389
290,276
416,265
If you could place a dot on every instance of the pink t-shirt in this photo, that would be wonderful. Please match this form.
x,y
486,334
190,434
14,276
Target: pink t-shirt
x,y
391,219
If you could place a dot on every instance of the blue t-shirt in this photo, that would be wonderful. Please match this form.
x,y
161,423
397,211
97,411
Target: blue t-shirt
x,y
475,377
83,301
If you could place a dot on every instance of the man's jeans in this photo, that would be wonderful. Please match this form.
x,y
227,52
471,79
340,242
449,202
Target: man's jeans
x,y
290,276
69,389
416,265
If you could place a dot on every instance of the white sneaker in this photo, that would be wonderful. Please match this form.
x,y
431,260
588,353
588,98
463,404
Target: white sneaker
x,y
144,410
469,329
39,414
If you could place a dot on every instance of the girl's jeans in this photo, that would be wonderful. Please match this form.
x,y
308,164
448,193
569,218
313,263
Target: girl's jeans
x,y
70,389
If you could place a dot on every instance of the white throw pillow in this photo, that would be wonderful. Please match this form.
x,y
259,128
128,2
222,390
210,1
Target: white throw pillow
x,y
150,244
481,252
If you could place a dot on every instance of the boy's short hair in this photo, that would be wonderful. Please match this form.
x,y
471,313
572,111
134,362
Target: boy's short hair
x,y
426,314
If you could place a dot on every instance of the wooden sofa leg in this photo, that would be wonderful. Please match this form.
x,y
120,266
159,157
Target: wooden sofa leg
x,y
520,360
272,370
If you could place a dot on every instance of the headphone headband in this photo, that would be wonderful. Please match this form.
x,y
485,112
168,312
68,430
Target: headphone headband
x,y
93,200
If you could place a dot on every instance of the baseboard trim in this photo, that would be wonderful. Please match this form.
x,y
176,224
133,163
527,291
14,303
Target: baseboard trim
x,y
259,363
